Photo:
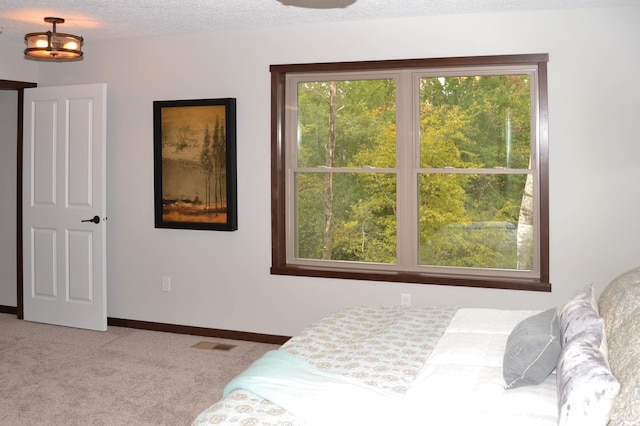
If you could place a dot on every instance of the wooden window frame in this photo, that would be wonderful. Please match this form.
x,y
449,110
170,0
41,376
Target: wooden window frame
x,y
278,175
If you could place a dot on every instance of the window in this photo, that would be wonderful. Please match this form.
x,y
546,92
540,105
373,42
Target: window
x,y
422,171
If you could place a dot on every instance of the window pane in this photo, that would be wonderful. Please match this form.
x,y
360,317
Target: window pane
x,y
346,216
476,220
347,123
475,122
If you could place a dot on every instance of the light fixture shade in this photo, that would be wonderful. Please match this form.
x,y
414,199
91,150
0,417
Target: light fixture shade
x,y
53,45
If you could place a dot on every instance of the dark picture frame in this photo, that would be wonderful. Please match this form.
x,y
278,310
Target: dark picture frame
x,y
195,180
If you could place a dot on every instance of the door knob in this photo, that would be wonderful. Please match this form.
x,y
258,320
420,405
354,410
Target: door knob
x,y
95,219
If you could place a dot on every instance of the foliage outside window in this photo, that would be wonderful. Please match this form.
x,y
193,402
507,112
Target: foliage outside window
x,y
425,171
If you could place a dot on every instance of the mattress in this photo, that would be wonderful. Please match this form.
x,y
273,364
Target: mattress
x,y
400,365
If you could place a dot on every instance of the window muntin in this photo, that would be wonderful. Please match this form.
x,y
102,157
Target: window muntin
x,y
378,176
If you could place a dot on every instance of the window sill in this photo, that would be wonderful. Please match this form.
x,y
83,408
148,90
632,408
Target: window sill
x,y
414,278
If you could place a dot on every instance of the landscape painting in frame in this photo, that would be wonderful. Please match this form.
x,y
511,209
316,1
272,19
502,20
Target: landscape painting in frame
x,y
195,164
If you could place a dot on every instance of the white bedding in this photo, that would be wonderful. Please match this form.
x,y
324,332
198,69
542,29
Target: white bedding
x,y
461,382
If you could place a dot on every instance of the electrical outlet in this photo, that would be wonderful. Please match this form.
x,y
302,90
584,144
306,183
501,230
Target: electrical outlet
x,y
166,283
405,299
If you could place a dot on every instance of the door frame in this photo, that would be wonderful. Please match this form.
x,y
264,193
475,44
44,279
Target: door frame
x,y
19,86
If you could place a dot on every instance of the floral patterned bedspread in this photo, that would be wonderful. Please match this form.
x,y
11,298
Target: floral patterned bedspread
x,y
383,346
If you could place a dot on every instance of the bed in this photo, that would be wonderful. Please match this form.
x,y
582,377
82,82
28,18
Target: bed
x,y
576,364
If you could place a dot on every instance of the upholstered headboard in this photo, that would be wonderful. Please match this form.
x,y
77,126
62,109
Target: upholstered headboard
x,y
619,306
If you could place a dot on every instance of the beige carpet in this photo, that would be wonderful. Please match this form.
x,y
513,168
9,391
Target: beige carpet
x,y
53,375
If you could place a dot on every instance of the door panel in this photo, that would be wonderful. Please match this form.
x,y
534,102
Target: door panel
x,y
64,186
43,160
44,263
80,170
80,285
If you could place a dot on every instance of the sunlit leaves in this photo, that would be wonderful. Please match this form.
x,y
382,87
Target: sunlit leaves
x,y
463,123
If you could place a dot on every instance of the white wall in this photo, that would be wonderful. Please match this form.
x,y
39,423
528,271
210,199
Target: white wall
x,y
13,66
8,221
222,280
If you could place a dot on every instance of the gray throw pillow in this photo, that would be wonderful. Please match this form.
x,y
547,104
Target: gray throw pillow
x,y
532,351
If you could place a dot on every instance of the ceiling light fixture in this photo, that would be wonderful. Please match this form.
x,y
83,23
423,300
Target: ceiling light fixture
x,y
53,45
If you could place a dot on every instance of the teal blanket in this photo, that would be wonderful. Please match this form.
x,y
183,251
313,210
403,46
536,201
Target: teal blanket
x,y
275,371
315,396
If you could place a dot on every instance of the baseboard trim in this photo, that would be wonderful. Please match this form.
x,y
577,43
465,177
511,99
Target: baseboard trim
x,y
199,331
8,310
183,329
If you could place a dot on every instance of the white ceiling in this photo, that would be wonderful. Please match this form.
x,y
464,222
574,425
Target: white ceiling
x,y
98,20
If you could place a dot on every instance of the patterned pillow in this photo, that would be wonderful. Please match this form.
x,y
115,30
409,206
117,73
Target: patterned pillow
x,y
532,351
586,386
624,355
620,299
580,314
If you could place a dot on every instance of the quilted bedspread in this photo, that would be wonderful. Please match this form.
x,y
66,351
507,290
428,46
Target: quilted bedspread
x,y
383,347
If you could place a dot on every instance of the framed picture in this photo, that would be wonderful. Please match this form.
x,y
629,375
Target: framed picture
x,y
195,164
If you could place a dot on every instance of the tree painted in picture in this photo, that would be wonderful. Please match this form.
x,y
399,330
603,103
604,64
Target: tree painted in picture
x,y
213,165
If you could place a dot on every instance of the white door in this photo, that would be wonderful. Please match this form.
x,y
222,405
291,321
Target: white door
x,y
64,207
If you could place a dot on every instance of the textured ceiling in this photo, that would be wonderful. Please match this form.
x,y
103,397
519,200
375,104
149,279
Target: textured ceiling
x,y
98,20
